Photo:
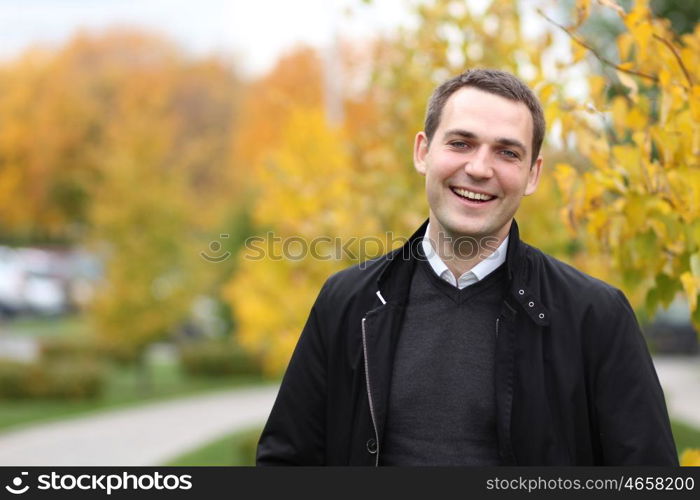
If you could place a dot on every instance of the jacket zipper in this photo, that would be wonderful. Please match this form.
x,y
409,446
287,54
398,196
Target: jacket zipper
x,y
497,321
369,394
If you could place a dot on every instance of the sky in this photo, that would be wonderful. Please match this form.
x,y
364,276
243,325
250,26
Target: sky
x,y
255,31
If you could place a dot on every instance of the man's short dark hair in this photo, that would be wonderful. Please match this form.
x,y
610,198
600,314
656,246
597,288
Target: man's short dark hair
x,y
496,82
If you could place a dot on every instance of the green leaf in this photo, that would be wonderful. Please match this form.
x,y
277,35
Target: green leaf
x,y
632,277
651,302
666,289
695,318
646,246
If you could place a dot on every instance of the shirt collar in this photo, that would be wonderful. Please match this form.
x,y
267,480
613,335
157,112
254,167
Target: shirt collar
x,y
476,273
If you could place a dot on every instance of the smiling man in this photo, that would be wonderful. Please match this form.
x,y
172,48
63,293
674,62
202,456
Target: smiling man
x,y
467,346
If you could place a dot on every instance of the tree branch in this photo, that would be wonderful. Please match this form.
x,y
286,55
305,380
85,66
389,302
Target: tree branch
x,y
593,51
677,56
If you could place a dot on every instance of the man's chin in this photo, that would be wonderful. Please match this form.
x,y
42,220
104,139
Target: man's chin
x,y
464,233
467,228
461,226
475,227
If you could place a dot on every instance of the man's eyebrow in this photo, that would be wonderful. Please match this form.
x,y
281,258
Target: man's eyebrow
x,y
505,141
501,141
461,133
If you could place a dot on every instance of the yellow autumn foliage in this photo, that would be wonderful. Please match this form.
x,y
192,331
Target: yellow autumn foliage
x,y
163,188
304,204
119,142
636,196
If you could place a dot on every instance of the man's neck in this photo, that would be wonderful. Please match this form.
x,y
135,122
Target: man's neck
x,y
461,253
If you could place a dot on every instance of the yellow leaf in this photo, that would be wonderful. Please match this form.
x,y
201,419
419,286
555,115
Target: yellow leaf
x,y
597,221
626,65
597,87
619,114
630,83
695,103
664,78
690,286
583,10
637,120
579,52
565,176
690,457
636,212
624,45
545,92
643,35
638,14
659,227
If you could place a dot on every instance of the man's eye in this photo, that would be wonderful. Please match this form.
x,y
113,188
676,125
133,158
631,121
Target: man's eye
x,y
459,144
510,154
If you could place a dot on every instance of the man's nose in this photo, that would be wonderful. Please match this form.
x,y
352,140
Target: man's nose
x,y
479,164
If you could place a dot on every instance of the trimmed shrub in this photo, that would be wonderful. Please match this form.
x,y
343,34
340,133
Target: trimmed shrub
x,y
86,348
69,348
120,352
218,358
12,379
75,380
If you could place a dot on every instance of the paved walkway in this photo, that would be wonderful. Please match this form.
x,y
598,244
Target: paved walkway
x,y
153,434
680,379
146,435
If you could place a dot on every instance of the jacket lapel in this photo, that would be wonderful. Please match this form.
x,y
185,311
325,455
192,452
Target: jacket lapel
x,y
381,327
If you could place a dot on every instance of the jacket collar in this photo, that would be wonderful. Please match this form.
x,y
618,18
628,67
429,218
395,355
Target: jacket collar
x,y
394,281
403,259
522,285
514,252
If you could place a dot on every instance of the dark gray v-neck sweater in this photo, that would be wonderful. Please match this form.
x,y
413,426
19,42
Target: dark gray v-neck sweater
x,y
442,408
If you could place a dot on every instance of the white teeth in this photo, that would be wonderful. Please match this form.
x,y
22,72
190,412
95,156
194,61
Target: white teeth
x,y
472,196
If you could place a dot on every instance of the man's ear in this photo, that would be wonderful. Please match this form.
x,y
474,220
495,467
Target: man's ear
x,y
533,177
420,151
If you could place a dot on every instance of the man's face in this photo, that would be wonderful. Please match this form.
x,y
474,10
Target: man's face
x,y
477,166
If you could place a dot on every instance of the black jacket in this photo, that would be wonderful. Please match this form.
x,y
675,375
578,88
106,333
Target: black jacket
x,y
575,384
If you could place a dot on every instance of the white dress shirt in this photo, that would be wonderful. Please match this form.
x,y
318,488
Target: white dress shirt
x,y
476,273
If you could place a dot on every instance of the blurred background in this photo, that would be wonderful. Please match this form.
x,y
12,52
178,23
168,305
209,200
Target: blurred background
x,y
143,143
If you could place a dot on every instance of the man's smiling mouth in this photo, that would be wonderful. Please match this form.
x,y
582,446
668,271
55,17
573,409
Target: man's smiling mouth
x,y
471,195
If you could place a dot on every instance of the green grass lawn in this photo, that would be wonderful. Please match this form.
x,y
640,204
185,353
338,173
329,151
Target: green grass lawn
x,y
239,448
685,436
124,387
47,327
124,384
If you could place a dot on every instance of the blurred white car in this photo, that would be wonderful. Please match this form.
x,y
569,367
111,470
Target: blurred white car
x,y
31,283
11,283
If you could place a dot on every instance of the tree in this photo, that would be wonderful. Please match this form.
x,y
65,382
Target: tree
x,y
120,142
48,136
165,182
302,177
635,197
